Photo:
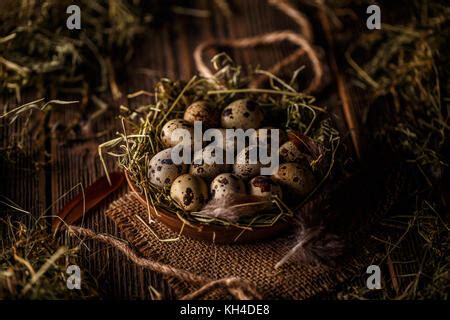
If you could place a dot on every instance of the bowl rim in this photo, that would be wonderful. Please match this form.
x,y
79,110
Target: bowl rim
x,y
210,233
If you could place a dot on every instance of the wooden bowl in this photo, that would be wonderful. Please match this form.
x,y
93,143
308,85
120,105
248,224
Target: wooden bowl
x,y
211,233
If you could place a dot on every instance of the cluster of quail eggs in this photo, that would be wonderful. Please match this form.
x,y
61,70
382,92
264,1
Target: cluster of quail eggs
x,y
192,186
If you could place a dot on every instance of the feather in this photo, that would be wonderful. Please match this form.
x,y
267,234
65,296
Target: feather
x,y
235,206
333,221
315,246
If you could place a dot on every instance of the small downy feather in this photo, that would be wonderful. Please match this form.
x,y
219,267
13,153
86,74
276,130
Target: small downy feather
x,y
329,222
315,246
314,243
235,206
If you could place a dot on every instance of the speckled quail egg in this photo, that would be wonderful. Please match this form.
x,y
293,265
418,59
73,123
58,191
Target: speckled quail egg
x,y
297,178
243,114
189,192
222,140
208,169
201,111
264,135
242,168
263,186
226,184
162,169
167,130
290,152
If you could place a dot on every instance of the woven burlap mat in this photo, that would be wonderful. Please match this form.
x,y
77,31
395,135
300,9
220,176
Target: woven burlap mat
x,y
252,262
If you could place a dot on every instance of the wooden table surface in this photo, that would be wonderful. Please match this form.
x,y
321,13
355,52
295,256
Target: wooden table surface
x,y
165,52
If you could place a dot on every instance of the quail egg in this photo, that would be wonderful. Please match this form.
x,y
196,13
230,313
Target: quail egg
x,y
162,169
263,186
297,178
290,152
226,184
201,111
242,166
189,192
167,130
243,114
221,139
264,135
209,166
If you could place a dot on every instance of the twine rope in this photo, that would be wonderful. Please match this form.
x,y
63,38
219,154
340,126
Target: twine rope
x,y
298,17
303,41
279,66
238,288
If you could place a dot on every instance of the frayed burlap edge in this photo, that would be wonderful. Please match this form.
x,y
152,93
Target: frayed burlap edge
x,y
251,262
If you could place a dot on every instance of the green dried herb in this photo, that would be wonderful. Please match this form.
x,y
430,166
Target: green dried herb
x,y
407,64
405,69
39,51
33,264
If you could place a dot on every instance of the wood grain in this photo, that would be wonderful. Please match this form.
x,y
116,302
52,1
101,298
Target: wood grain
x,y
165,52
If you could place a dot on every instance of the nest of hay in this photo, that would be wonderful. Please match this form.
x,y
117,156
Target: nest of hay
x,y
287,108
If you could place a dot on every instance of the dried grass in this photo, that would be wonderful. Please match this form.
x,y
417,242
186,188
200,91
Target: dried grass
x,y
288,109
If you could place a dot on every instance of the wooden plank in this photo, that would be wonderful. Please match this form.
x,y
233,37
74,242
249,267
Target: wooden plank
x,y
78,164
22,175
